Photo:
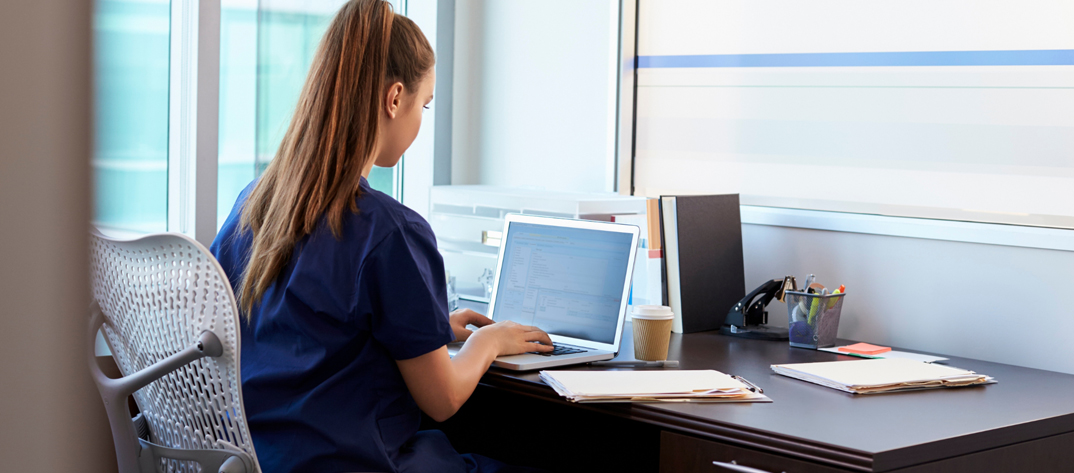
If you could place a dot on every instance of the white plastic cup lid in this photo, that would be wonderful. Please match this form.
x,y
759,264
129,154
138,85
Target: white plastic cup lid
x,y
652,312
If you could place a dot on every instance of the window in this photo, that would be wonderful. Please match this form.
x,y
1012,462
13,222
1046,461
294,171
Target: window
x,y
130,161
266,51
142,50
237,158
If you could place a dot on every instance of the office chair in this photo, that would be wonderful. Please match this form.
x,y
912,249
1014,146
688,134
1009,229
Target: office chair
x,y
169,316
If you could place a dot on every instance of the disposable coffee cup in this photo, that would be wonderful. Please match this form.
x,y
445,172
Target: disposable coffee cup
x,y
652,331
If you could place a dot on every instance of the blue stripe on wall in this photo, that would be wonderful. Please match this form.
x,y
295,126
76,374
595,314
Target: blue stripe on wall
x,y
1042,57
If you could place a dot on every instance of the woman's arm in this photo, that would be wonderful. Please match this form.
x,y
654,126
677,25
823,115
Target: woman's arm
x,y
441,384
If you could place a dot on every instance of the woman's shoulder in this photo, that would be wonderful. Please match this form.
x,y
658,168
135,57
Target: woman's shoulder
x,y
382,211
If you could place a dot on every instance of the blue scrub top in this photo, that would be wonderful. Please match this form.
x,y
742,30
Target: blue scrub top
x,y
320,385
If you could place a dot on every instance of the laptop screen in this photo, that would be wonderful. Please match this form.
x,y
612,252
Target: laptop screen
x,y
565,281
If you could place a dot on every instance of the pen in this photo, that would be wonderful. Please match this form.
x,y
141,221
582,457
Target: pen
x,y
638,364
752,387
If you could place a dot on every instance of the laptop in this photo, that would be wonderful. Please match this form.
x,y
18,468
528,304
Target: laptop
x,y
570,278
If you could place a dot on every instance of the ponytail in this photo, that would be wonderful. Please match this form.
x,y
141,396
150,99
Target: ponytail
x,y
317,170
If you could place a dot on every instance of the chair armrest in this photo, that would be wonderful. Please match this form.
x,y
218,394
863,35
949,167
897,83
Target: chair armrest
x,y
208,344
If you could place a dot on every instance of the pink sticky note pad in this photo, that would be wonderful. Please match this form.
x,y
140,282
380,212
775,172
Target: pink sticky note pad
x,y
864,349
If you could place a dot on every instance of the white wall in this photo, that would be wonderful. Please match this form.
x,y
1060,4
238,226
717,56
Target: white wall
x,y
534,93
997,303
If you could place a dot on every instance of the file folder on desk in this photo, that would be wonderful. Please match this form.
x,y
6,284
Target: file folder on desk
x,y
650,386
881,375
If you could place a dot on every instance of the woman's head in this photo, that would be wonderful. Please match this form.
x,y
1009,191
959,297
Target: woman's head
x,y
409,89
361,104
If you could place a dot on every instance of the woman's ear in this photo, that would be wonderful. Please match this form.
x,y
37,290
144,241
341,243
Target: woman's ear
x,y
393,99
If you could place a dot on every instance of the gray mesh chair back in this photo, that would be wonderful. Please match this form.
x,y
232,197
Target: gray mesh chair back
x,y
168,314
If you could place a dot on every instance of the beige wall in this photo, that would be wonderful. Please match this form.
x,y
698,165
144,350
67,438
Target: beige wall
x,y
51,419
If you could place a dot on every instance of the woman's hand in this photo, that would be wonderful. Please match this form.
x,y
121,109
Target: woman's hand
x,y
463,317
511,338
440,385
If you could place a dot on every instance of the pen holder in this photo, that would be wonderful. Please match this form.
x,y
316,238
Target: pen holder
x,y
813,319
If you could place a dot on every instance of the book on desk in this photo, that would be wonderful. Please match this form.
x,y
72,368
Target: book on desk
x,y
704,275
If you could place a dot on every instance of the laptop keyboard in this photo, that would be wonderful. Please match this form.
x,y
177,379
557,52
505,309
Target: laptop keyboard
x,y
558,349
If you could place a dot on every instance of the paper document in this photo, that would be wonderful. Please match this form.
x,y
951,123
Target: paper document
x,y
889,354
881,375
669,386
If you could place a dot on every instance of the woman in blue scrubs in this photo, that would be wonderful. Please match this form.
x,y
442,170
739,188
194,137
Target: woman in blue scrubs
x,y
341,287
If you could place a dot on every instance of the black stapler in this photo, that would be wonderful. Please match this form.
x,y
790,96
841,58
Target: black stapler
x,y
748,317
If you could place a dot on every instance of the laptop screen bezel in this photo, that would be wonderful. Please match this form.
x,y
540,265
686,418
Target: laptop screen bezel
x,y
633,230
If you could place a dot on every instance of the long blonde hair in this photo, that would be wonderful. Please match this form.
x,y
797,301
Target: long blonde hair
x,y
332,136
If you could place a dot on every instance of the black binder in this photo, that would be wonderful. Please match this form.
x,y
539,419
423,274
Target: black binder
x,y
704,234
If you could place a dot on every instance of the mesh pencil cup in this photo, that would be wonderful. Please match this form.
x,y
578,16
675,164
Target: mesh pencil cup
x,y
814,319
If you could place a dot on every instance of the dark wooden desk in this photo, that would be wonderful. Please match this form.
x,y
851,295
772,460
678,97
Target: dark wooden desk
x,y
1023,423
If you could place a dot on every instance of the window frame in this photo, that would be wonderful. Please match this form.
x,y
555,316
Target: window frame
x,y
193,118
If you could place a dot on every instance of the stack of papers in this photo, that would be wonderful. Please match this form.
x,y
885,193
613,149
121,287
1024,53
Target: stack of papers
x,y
650,386
881,375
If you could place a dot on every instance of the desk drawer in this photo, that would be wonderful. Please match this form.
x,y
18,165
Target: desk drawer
x,y
684,454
